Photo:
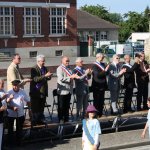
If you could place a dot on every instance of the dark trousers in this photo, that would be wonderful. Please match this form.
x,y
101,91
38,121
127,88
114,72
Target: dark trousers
x,y
63,107
19,127
128,99
142,94
98,96
37,107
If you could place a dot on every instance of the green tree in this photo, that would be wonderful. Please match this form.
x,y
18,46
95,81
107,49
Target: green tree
x,y
115,18
97,10
134,22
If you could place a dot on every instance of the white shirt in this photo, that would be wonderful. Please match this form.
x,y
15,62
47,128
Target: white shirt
x,y
18,101
94,129
148,121
2,92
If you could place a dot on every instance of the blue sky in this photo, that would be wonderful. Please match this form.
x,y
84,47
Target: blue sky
x,y
118,6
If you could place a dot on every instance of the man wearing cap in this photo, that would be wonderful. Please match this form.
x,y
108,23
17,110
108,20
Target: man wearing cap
x,y
13,73
99,83
81,87
15,100
39,90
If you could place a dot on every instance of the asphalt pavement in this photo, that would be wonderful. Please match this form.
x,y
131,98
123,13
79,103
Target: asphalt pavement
x,y
111,141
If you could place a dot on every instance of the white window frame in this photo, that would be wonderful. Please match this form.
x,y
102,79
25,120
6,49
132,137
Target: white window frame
x,y
31,16
11,21
62,16
104,35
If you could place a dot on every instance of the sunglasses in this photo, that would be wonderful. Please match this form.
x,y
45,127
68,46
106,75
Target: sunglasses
x,y
117,58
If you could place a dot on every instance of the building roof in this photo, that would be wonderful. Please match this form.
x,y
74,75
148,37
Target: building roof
x,y
88,21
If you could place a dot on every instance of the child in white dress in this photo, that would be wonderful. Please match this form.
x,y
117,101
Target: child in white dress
x,y
91,130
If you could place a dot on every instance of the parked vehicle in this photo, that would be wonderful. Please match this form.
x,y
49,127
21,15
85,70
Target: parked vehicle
x,y
138,48
122,49
107,51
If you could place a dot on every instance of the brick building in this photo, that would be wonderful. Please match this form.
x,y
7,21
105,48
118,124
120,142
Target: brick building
x,y
32,27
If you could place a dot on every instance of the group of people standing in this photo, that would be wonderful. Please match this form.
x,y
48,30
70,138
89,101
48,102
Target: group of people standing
x,y
104,77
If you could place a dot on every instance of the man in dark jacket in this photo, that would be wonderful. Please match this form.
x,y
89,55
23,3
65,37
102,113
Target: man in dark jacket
x,y
142,79
99,83
129,83
81,87
114,82
39,90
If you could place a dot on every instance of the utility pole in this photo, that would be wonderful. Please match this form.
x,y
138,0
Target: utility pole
x,y
149,20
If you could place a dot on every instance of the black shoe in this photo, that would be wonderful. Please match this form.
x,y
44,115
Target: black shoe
x,y
33,123
125,111
41,122
115,113
131,111
139,109
145,107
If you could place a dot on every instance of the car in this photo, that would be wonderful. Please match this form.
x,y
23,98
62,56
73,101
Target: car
x,y
138,48
107,51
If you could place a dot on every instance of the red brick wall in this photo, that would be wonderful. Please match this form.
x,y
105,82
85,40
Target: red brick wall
x,y
42,1
70,40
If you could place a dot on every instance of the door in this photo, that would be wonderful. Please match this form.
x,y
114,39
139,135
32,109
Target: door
x,y
83,49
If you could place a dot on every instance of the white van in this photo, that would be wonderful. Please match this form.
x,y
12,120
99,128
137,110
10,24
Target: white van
x,y
122,48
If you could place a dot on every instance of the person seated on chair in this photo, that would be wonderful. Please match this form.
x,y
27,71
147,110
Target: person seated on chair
x,y
39,90
81,87
15,108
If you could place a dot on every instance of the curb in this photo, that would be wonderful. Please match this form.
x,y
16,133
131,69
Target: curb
x,y
128,145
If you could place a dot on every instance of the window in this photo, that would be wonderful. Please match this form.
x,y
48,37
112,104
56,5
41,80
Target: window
x,y
6,21
58,53
33,54
32,21
57,20
97,36
103,35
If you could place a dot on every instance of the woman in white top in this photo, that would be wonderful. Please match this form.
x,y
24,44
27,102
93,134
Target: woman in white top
x,y
148,121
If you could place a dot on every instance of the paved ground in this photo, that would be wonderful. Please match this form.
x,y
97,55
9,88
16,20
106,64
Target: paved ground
x,y
111,141
147,147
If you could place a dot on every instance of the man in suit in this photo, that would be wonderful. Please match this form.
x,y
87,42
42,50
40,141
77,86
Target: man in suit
x,y
64,89
81,88
142,79
99,83
129,83
39,90
14,73
115,73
